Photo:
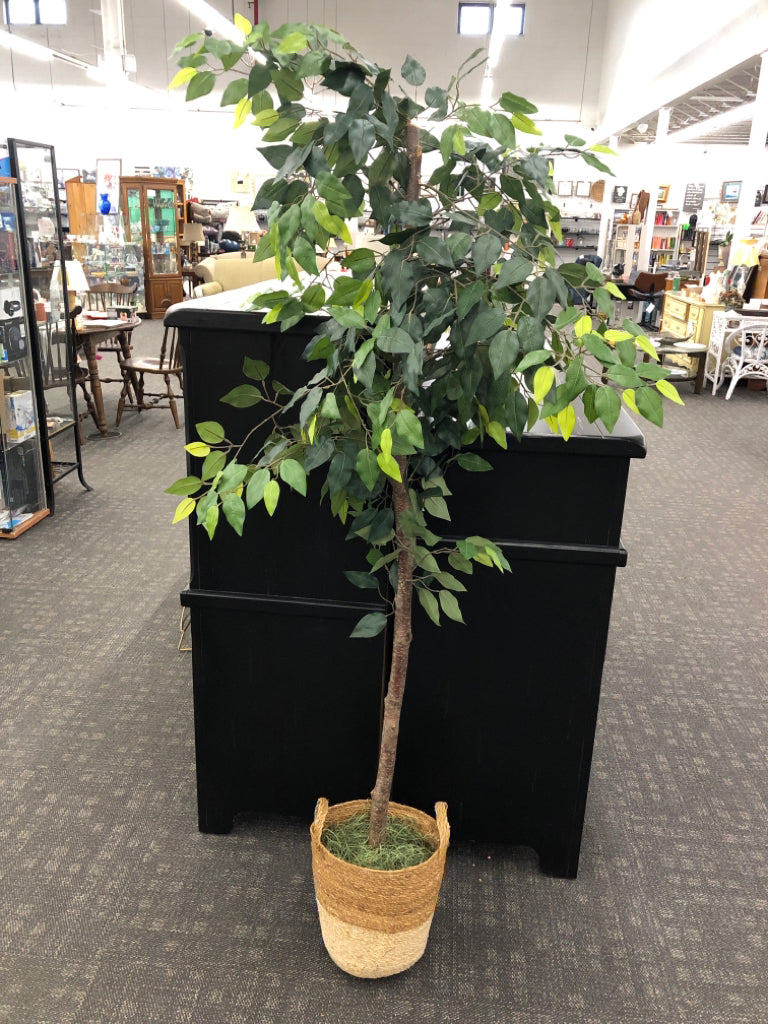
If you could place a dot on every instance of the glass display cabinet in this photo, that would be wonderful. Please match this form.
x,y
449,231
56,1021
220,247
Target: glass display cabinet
x,y
153,212
22,484
44,264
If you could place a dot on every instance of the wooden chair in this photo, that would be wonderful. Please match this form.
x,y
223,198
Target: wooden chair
x,y
100,297
167,365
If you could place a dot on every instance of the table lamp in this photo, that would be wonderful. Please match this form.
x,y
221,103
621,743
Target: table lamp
x,y
242,219
192,236
76,280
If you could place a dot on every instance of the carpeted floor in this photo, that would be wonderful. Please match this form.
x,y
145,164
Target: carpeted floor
x,y
116,910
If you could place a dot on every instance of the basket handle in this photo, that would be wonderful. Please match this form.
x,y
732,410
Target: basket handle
x,y
441,817
321,810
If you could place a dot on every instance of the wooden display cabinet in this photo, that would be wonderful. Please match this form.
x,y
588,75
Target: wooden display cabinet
x,y
153,212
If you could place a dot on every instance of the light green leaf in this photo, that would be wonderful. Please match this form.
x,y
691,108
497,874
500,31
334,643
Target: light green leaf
x,y
497,432
210,432
669,391
608,406
183,509
254,492
271,496
294,42
428,602
408,427
542,383
211,520
182,77
388,465
233,508
292,472
450,606
197,449
566,421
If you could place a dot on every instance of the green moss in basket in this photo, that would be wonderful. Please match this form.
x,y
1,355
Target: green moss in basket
x,y
403,847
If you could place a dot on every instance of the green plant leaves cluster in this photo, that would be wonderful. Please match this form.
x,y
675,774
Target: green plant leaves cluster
x,y
463,332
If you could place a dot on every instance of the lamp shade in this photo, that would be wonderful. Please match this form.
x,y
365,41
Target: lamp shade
x,y
76,279
241,219
192,233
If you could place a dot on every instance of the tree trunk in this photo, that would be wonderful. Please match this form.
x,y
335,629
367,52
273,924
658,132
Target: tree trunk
x,y
401,630
401,646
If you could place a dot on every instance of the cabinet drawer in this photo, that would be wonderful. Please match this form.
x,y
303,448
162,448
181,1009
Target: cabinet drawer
x,y
670,325
676,307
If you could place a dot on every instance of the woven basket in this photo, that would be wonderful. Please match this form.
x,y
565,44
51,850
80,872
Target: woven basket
x,y
376,923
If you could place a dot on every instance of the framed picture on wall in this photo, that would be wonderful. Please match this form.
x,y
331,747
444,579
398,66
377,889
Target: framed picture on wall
x,y
765,194
620,193
731,191
663,193
565,188
582,189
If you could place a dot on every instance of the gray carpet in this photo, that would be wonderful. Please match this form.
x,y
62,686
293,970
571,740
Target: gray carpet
x,y
115,910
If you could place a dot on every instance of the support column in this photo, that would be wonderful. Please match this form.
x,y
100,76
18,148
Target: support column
x,y
606,214
660,152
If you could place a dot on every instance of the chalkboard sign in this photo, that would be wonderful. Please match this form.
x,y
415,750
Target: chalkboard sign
x,y
694,197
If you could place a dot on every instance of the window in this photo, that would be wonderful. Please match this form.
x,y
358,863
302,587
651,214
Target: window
x,y
475,19
35,12
478,19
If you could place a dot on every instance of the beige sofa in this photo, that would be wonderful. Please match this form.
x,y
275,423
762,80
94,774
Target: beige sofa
x,y
231,270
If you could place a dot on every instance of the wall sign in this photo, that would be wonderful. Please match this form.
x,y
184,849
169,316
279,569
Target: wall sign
x,y
619,194
694,197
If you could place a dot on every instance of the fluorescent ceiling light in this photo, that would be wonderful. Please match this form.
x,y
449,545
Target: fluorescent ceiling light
x,y
25,47
211,18
712,124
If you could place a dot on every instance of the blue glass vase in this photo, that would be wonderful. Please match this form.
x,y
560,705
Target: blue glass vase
x,y
104,205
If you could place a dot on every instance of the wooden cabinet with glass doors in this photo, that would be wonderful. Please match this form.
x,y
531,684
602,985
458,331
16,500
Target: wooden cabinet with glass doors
x,y
153,214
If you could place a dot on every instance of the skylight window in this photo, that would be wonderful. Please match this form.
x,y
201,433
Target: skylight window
x,y
478,19
35,12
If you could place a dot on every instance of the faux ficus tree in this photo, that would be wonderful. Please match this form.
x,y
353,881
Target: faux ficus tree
x,y
458,330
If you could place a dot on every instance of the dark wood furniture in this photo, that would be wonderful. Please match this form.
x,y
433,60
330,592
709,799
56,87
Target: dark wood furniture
x,y
88,337
499,715
166,365
154,212
103,296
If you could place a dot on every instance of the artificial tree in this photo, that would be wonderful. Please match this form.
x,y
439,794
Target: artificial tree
x,y
457,330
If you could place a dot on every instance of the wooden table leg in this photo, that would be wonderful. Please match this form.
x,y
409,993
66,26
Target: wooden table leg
x,y
89,348
700,368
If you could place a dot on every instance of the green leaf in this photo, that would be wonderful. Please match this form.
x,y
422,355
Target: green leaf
x,y
243,396
292,472
234,92
304,253
408,427
650,405
473,463
412,71
428,602
233,508
516,104
573,140
532,359
370,625
437,507
486,251
271,496
360,579
514,271
460,563
313,298
367,467
624,376
502,352
213,464
289,86
608,406
293,42
186,485
450,606
256,369
254,492
394,340
541,297
200,85
362,137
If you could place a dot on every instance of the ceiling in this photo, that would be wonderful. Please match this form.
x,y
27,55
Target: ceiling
x,y
720,95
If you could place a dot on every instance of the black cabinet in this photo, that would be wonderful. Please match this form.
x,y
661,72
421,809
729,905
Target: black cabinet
x,y
499,716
